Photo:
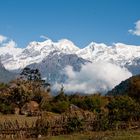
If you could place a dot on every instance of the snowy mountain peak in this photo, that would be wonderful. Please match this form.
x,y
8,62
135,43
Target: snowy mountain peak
x,y
39,45
122,45
92,51
67,46
35,52
14,58
96,46
64,45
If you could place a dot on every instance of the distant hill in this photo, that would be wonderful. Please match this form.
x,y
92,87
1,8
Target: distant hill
x,y
5,75
130,87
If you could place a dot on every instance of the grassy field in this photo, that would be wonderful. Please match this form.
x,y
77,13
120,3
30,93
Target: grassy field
x,y
109,135
20,118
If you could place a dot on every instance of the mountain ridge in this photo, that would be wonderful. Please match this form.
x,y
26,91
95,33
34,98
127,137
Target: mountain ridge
x,y
36,53
18,58
130,87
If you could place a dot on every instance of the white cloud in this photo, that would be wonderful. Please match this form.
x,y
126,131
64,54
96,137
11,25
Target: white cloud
x,y
7,42
136,31
10,44
94,77
44,37
2,38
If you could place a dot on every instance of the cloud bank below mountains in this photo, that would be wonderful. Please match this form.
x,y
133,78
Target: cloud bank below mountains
x,y
94,77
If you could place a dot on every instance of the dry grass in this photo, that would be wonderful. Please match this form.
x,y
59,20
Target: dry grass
x,y
20,118
108,135
28,119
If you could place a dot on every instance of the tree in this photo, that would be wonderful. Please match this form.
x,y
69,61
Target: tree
x,y
31,74
61,96
21,93
36,83
123,108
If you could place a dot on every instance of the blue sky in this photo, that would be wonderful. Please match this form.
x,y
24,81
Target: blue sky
x,y
81,21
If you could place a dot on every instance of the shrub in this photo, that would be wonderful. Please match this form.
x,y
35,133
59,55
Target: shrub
x,y
102,123
6,109
46,106
123,108
60,107
74,124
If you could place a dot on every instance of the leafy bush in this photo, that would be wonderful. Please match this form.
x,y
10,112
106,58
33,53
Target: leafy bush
x,y
6,109
46,106
74,124
93,103
123,108
102,123
60,107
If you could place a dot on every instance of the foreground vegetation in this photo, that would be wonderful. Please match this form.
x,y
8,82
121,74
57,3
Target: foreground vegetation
x,y
109,135
65,114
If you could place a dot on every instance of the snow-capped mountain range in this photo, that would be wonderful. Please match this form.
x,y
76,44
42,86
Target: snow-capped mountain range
x,y
52,57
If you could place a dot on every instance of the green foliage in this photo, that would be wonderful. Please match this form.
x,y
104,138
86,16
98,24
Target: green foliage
x,y
29,86
93,103
77,100
20,95
74,124
37,97
61,96
108,111
31,74
102,123
6,109
123,108
45,105
3,86
60,103
36,84
129,87
60,107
